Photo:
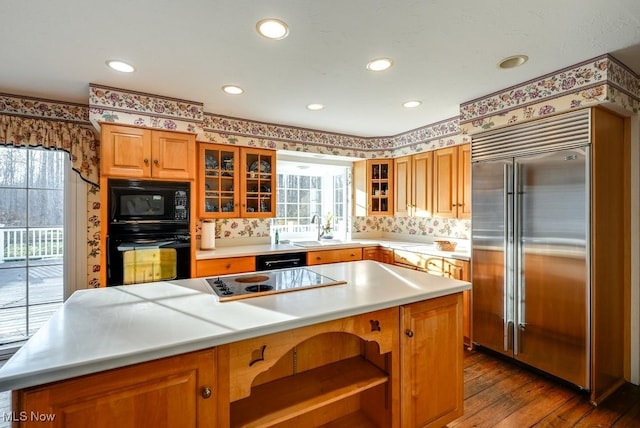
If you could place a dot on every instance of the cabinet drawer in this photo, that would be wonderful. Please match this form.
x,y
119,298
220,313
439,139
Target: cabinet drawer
x,y
430,264
334,256
213,267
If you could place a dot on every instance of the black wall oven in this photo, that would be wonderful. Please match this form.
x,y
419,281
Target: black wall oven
x,y
148,237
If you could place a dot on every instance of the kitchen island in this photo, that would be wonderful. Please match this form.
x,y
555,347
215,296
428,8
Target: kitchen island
x,y
383,348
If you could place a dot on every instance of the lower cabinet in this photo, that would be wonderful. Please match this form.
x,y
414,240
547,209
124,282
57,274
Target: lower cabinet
x,y
178,391
384,255
460,269
333,256
441,266
213,267
432,362
395,367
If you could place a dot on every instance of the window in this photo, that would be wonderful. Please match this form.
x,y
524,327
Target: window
x,y
306,191
31,239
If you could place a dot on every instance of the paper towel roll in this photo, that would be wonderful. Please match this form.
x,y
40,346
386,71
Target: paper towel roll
x,y
208,240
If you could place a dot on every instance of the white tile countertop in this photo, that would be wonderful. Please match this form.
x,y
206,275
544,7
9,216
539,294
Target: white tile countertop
x,y
461,253
106,328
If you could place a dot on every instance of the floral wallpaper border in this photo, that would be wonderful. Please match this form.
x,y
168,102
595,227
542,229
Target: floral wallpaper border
x,y
591,82
109,104
232,128
41,108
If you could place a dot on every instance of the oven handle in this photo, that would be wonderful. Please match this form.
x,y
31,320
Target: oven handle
x,y
151,245
275,262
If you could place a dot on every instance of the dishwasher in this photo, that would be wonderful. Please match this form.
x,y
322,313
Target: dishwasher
x,y
280,261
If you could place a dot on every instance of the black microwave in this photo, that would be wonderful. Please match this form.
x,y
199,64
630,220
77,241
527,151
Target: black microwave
x,y
147,201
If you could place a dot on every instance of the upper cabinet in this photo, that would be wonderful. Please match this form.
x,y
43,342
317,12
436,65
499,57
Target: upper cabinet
x,y
258,184
414,185
235,182
380,187
452,182
218,178
373,187
134,152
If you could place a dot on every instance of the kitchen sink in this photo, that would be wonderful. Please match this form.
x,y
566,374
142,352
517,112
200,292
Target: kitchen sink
x,y
321,243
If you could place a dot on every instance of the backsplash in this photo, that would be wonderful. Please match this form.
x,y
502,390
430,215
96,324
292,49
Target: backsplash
x,y
239,228
418,226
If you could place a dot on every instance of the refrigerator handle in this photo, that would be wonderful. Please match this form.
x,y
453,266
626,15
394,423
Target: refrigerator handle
x,y
517,260
507,222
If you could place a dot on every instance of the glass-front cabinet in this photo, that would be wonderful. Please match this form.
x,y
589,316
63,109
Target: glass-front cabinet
x,y
219,174
235,182
380,179
258,171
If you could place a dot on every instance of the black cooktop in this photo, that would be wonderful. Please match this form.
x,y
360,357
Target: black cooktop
x,y
231,287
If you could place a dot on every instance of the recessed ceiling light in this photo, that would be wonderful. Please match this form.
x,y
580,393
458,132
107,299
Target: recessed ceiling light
x,y
272,28
513,61
315,106
412,103
232,89
379,64
120,66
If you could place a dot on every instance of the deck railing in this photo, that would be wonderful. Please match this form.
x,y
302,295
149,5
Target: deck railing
x,y
34,242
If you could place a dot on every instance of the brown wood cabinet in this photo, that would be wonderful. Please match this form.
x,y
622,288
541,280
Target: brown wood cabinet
x,y
384,255
170,392
450,268
379,178
373,187
333,256
432,384
133,152
218,181
236,182
423,262
413,193
461,269
452,182
225,266
399,366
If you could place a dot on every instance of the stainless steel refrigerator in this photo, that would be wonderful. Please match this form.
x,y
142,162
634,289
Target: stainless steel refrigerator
x,y
530,250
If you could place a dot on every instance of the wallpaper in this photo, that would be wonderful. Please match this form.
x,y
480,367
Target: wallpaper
x,y
602,80
417,226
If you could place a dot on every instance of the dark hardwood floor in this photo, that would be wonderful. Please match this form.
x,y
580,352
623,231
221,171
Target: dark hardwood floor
x,y
500,393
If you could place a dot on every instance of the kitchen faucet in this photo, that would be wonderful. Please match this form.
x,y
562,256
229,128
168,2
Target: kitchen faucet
x,y
317,218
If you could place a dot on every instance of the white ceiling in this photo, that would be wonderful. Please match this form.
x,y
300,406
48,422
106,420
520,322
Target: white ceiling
x,y
445,53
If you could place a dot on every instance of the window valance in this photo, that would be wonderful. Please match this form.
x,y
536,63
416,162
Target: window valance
x,y
77,140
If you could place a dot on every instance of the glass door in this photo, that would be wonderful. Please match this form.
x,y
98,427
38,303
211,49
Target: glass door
x,y
219,172
31,239
258,193
380,185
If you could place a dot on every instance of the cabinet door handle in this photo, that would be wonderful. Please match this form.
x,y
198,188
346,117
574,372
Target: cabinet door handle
x,y
146,161
318,258
409,333
228,266
352,255
156,162
205,392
